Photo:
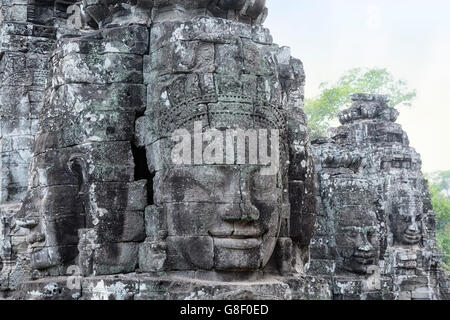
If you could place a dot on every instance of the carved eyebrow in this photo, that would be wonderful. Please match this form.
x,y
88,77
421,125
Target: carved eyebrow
x,y
204,185
355,228
219,176
352,228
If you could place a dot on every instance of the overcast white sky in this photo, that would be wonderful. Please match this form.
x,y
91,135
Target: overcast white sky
x,y
411,38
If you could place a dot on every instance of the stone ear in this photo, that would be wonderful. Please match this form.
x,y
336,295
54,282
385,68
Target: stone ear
x,y
77,166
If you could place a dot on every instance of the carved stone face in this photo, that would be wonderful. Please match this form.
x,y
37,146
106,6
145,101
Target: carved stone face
x,y
357,239
220,217
406,219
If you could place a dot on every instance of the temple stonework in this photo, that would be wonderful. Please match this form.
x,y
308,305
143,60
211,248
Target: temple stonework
x,y
375,238
96,95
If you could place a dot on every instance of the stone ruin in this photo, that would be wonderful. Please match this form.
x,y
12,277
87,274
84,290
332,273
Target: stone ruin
x,y
375,238
94,207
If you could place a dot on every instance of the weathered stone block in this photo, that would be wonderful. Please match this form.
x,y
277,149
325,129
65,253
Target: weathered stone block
x,y
226,258
152,256
183,253
59,201
116,258
55,289
285,255
422,294
137,195
98,69
183,56
109,288
120,226
63,230
155,223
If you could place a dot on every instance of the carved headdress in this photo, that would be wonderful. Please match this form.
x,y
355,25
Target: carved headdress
x,y
107,12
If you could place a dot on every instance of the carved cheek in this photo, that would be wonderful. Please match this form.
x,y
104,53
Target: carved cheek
x,y
269,217
375,241
265,188
344,241
266,197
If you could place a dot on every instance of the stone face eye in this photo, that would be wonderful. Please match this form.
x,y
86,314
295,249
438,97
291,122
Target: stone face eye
x,y
352,233
372,236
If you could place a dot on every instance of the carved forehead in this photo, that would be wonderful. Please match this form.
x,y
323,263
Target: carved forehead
x,y
407,196
218,173
216,184
356,217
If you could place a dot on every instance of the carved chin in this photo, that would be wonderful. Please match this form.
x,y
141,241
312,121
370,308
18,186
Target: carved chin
x,y
410,239
242,254
359,264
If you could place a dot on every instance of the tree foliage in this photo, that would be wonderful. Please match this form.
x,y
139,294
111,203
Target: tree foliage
x,y
334,97
442,181
441,206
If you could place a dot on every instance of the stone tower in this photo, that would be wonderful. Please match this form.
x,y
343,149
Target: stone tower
x,y
376,226
28,30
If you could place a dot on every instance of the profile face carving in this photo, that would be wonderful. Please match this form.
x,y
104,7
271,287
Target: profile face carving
x,y
222,217
406,219
357,239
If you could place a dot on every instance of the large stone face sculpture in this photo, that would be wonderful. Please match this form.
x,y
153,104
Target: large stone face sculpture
x,y
28,30
107,198
371,148
228,209
406,217
159,150
235,228
356,226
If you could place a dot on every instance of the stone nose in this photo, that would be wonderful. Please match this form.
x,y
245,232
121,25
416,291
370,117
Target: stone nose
x,y
364,244
366,247
413,227
244,211
248,211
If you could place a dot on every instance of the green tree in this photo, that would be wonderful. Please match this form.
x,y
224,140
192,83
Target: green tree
x,y
334,97
441,205
442,180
